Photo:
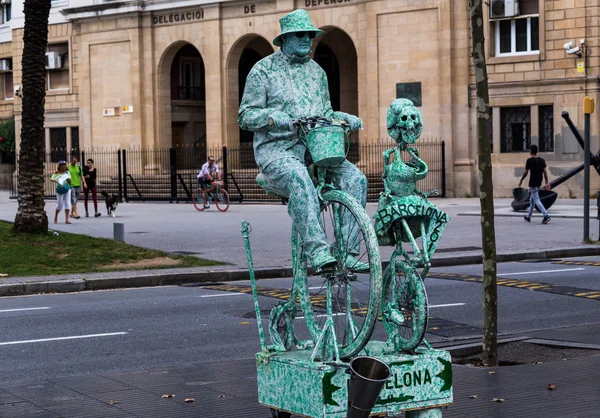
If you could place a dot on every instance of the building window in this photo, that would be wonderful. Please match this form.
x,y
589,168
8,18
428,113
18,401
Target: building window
x,y
58,144
75,150
5,13
57,66
546,133
6,79
515,129
519,34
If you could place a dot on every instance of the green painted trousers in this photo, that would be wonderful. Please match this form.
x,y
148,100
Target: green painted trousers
x,y
292,175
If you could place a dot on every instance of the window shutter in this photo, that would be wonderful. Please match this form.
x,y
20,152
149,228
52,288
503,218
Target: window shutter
x,y
529,7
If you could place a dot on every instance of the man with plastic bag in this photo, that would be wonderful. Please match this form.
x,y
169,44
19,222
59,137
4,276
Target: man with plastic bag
x,y
289,85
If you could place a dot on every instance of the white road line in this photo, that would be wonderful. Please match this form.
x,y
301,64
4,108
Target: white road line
x,y
540,272
323,315
24,309
75,337
223,294
446,305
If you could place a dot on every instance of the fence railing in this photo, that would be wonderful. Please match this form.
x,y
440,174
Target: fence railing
x,y
170,174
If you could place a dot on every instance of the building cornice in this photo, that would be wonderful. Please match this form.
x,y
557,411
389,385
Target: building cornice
x,y
125,7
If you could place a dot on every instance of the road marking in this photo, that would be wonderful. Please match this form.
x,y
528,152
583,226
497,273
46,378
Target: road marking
x,y
446,305
543,271
222,294
24,309
323,315
75,337
593,294
579,263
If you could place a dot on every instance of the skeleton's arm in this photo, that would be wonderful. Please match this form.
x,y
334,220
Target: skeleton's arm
x,y
418,164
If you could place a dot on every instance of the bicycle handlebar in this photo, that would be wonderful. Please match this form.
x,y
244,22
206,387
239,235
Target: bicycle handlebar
x,y
297,123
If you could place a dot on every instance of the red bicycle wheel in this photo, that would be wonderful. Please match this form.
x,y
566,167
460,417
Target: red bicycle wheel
x,y
222,200
197,200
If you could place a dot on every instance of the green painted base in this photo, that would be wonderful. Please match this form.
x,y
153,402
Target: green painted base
x,y
291,382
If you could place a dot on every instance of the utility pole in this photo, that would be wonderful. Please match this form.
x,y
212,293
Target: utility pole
x,y
588,109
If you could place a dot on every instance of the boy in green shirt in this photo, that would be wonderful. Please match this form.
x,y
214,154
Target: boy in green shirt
x,y
77,180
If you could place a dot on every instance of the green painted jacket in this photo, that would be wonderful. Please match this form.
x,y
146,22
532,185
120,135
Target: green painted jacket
x,y
296,86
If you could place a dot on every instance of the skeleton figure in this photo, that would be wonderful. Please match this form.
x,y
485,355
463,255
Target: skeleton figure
x,y
401,199
289,85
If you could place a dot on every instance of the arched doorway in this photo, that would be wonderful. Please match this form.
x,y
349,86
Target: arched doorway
x,y
336,54
188,105
181,107
245,53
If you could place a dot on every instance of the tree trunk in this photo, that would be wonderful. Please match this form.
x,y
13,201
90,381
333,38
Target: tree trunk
x,y
486,190
31,216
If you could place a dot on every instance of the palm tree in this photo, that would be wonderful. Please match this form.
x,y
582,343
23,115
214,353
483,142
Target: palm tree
x,y
31,216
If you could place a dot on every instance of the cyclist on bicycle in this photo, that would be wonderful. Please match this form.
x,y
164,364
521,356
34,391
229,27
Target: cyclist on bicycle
x,y
208,177
289,85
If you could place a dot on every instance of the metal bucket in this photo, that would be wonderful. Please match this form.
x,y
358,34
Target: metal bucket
x,y
326,145
368,375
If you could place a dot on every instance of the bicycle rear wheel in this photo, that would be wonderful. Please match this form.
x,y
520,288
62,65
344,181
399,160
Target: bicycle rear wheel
x,y
355,297
406,294
222,200
197,200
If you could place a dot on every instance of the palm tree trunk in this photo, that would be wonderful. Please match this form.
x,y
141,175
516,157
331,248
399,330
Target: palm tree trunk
x,y
486,189
31,216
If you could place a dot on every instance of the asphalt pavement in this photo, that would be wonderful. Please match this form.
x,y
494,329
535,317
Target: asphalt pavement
x,y
199,341
110,331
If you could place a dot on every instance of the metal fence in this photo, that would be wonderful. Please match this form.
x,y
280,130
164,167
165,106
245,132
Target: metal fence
x,y
170,174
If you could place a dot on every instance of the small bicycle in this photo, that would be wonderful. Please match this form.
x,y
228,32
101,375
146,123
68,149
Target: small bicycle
x,y
219,196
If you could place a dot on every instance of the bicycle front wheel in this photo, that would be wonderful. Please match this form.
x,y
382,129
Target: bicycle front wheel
x,y
197,200
222,200
355,296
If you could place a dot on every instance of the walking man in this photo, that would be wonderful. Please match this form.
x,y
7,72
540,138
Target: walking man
x,y
537,166
77,180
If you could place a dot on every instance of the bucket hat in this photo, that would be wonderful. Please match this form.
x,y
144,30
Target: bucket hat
x,y
297,21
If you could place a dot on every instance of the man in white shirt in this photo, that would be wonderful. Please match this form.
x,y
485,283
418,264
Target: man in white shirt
x,y
208,177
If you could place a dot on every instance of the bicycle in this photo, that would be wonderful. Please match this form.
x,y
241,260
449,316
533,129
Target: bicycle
x,y
219,196
404,219
341,316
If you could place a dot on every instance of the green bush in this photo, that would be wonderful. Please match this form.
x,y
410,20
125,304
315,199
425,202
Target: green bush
x,y
7,134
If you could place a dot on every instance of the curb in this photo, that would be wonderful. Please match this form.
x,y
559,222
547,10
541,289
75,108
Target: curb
x,y
130,280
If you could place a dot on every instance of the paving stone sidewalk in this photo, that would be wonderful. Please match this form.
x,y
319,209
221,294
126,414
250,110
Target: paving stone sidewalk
x,y
228,390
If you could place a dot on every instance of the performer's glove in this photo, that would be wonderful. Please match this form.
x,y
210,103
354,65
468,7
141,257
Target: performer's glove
x,y
281,120
354,122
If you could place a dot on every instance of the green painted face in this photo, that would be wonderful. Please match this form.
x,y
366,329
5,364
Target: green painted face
x,y
404,122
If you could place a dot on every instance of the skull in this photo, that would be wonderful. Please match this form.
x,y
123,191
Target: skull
x,y
404,122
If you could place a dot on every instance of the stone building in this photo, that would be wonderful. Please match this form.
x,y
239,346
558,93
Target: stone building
x,y
153,74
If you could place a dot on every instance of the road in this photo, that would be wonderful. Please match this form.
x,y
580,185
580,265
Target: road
x,y
46,336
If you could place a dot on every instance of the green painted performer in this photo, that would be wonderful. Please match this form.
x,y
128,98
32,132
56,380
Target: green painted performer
x,y
289,85
401,200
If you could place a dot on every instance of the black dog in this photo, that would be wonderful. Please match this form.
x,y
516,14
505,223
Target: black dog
x,y
112,201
